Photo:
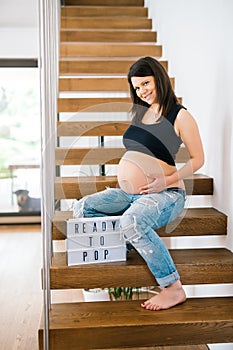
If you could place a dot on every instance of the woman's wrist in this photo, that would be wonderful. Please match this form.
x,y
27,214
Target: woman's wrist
x,y
171,179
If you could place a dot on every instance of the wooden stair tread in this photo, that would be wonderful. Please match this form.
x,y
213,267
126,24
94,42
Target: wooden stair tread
x,y
95,104
105,325
93,84
121,104
103,60
195,266
94,65
100,155
93,127
175,347
105,30
103,11
105,2
117,35
192,222
107,22
96,84
77,187
86,49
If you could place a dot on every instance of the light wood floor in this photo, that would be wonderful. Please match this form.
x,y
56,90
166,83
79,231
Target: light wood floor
x,y
21,296
20,287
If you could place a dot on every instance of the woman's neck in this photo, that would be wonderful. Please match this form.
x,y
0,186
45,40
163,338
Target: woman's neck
x,y
155,108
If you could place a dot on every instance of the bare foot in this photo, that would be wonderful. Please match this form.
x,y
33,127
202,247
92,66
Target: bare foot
x,y
167,298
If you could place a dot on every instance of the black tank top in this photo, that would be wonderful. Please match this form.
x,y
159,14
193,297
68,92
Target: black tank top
x,y
158,140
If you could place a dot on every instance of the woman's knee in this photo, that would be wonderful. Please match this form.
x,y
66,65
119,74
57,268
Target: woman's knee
x,y
128,225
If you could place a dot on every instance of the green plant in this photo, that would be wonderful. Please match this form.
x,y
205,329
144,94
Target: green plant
x,y
123,293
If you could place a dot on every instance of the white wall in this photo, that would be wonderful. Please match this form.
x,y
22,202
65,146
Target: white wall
x,y
18,42
197,42
196,36
19,29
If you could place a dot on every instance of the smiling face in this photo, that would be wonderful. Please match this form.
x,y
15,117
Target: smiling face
x,y
145,88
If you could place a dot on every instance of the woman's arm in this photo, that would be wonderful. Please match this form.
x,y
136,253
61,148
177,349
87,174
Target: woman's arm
x,y
186,127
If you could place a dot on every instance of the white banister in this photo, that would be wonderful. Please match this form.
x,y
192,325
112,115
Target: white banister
x,y
49,15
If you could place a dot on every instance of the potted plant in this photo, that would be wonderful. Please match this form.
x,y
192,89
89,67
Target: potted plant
x,y
123,293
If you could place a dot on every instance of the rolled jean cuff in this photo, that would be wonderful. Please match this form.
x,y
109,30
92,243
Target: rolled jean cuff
x,y
168,280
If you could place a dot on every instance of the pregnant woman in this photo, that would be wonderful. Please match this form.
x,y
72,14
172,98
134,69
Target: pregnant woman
x,y
151,191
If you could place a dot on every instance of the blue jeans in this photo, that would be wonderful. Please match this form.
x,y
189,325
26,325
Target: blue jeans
x,y
140,215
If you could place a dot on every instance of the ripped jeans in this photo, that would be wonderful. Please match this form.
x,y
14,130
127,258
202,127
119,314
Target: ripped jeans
x,y
140,216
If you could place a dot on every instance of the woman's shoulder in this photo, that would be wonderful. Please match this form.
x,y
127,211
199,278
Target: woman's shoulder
x,y
175,110
185,119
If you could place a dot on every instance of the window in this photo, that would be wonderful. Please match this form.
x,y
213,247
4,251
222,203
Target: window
x,y
19,140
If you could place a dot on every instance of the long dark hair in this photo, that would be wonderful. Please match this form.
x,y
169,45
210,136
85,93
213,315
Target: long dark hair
x,y
166,98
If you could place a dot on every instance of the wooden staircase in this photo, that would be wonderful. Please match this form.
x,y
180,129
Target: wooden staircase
x,y
100,39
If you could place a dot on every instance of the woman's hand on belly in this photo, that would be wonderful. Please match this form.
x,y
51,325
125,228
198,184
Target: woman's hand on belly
x,y
157,183
131,177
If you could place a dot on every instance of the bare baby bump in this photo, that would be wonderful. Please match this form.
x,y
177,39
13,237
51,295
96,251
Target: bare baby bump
x,y
133,171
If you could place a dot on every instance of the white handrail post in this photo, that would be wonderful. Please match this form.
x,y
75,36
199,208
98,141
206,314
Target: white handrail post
x,y
48,63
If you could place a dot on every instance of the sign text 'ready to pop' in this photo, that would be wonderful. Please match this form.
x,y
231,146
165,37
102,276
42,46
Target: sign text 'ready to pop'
x,y
94,240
